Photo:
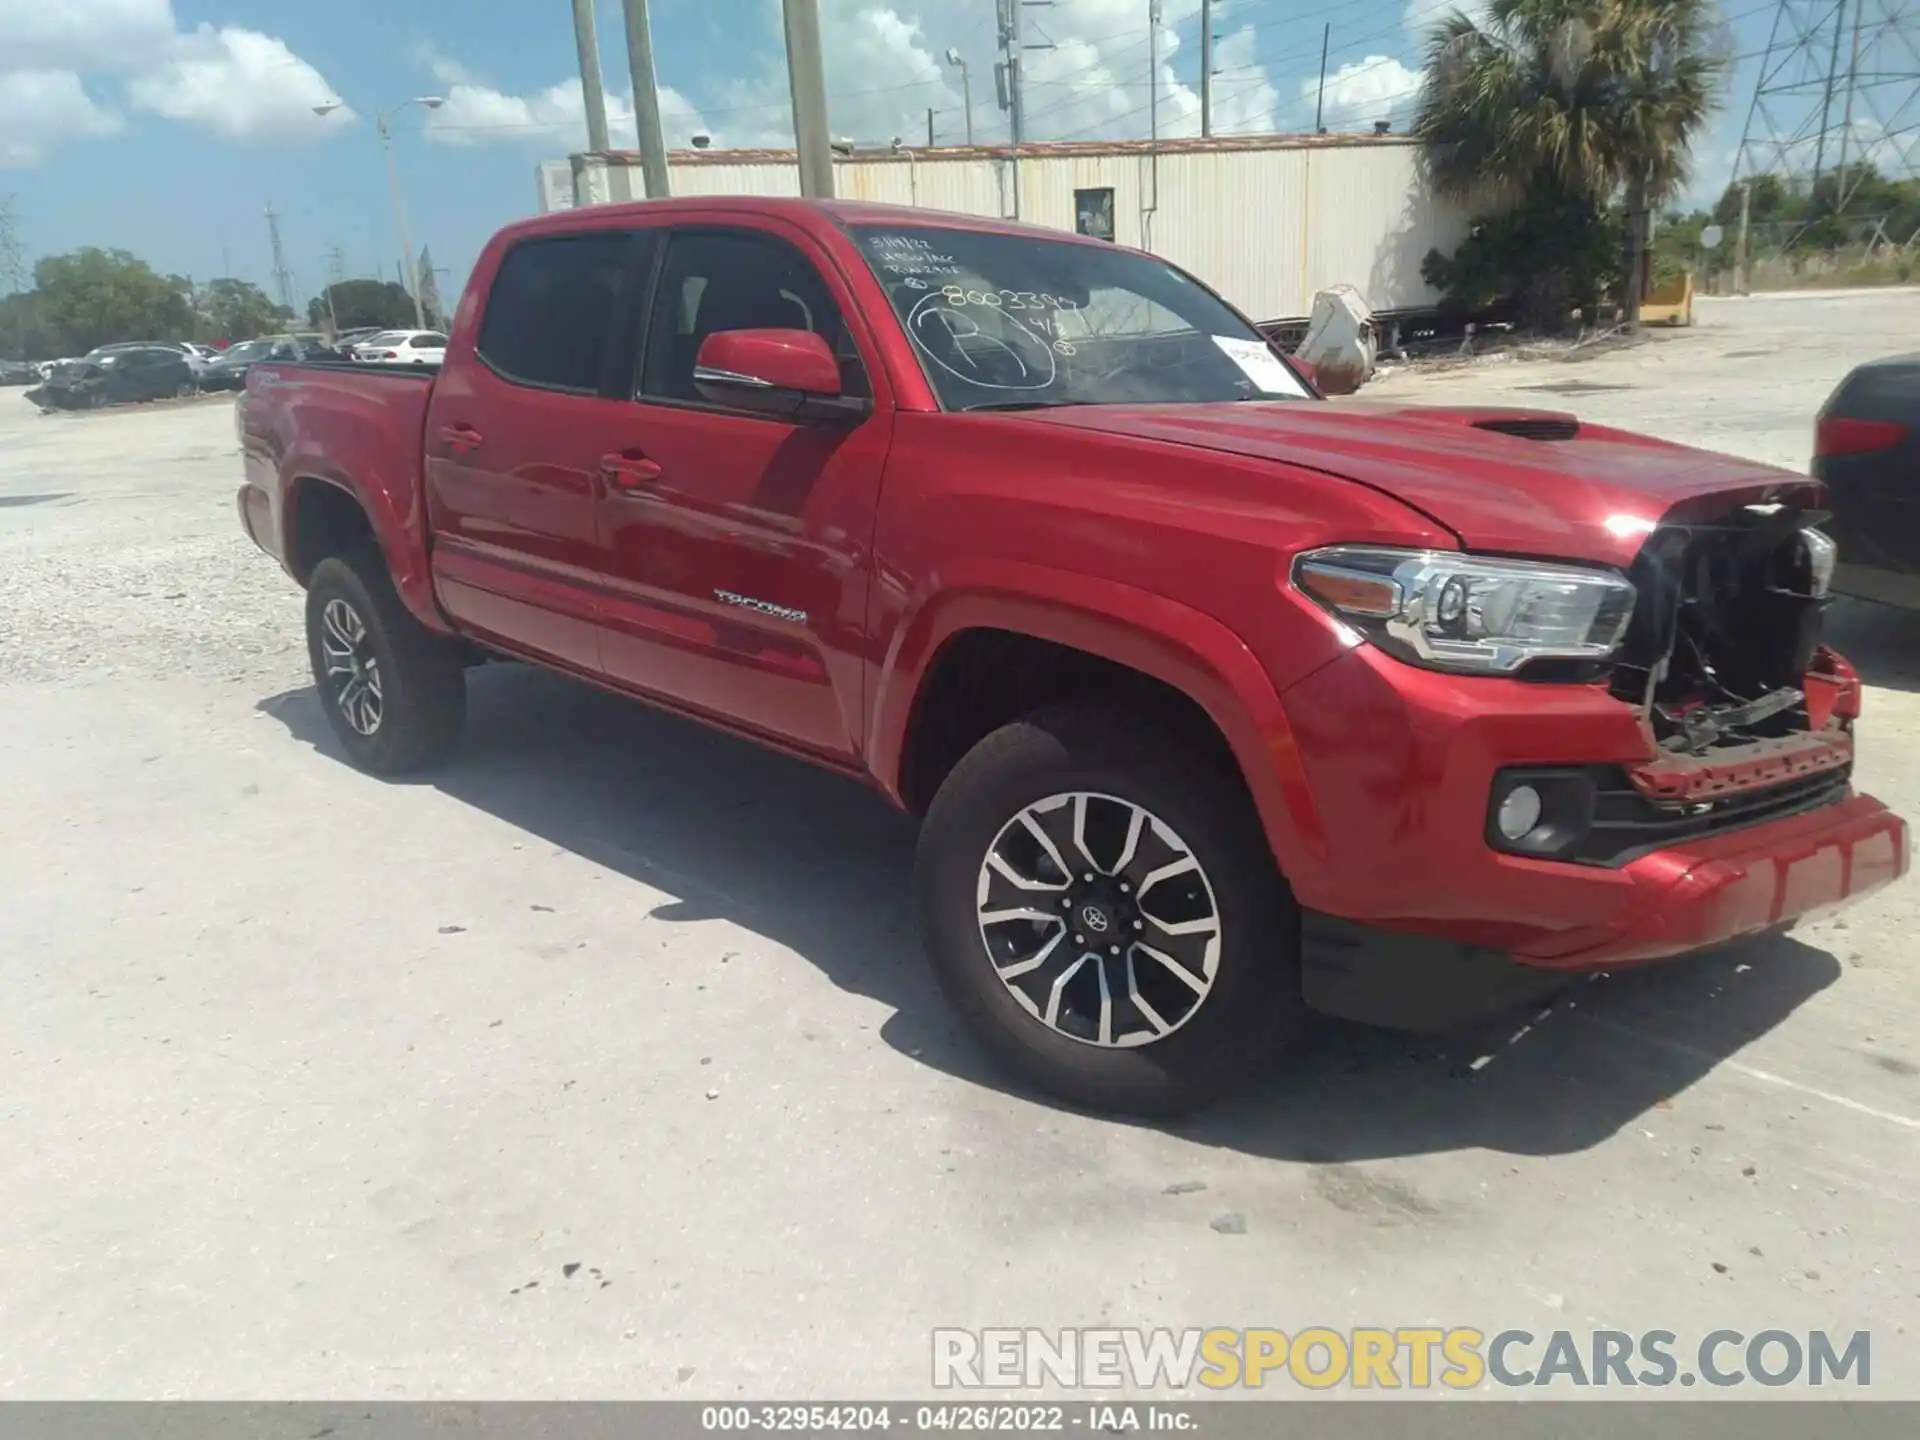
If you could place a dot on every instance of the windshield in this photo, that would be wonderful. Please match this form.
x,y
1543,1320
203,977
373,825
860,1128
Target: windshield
x,y
1008,321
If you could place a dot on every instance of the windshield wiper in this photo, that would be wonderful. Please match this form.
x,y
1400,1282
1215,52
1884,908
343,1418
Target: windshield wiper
x,y
1020,405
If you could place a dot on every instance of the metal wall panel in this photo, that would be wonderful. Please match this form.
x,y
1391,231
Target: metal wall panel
x,y
1266,224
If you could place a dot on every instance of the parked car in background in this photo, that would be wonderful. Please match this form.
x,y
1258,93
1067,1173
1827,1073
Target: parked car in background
x,y
229,370
1867,448
18,372
131,373
347,339
402,347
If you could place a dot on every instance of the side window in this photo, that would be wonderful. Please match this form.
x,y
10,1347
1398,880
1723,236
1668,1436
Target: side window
x,y
553,308
716,280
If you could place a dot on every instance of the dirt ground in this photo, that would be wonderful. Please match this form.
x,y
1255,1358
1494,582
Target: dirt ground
x,y
319,1086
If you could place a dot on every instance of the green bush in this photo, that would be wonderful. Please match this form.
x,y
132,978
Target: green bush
x,y
1548,258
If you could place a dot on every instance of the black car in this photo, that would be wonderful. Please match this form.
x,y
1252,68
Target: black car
x,y
1867,450
124,376
229,372
18,372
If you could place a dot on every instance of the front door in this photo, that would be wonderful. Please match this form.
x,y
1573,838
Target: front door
x,y
515,438
739,545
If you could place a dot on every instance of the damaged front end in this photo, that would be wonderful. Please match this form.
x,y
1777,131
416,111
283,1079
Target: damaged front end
x,y
1750,715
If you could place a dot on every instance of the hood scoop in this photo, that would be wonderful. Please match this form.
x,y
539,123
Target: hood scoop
x,y
1532,427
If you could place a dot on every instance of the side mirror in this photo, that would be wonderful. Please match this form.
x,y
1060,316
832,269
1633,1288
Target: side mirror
x,y
786,373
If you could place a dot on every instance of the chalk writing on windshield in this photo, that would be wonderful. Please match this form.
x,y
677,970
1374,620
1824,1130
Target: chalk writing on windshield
x,y
1012,355
909,255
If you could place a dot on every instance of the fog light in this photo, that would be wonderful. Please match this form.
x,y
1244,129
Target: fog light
x,y
1519,812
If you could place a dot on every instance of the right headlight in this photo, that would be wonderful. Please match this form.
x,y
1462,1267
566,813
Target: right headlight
x,y
1475,614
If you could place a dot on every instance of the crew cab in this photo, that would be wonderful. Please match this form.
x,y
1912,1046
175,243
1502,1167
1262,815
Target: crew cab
x,y
1220,702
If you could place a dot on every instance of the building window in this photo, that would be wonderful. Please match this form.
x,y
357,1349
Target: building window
x,y
1093,212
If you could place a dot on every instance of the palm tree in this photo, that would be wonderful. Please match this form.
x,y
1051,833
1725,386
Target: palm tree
x,y
1570,99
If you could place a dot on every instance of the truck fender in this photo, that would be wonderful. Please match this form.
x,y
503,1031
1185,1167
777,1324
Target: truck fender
x,y
1190,651
395,506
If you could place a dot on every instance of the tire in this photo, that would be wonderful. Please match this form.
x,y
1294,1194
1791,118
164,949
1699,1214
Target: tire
x,y
418,688
1253,1009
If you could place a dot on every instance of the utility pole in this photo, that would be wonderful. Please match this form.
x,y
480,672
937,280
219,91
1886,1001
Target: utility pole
x,y
593,93
336,272
1206,68
930,127
646,100
592,83
806,80
1153,71
1320,104
958,61
282,278
1740,244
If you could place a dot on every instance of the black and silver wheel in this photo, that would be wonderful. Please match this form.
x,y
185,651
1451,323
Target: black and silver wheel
x,y
393,692
1100,905
352,683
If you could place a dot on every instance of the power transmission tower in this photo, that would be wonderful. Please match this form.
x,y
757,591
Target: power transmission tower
x,y
282,277
1838,94
13,255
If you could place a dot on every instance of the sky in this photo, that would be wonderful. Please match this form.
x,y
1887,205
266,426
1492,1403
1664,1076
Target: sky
x,y
167,127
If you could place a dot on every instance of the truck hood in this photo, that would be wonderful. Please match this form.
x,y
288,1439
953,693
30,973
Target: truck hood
x,y
1519,482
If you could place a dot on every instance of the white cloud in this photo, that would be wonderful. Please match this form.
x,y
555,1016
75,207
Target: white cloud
x,y
475,113
1360,92
1422,15
240,84
82,35
39,108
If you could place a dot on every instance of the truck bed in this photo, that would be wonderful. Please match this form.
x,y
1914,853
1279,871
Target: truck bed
x,y
359,427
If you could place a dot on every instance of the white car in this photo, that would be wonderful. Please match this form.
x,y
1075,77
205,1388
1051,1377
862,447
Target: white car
x,y
402,347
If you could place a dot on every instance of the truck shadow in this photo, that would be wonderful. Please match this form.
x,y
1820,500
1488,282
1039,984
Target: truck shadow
x,y
823,866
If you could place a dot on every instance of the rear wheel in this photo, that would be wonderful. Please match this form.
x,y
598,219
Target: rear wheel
x,y
1101,907
394,693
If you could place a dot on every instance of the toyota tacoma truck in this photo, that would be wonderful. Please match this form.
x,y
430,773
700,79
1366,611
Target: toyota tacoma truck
x,y
1219,702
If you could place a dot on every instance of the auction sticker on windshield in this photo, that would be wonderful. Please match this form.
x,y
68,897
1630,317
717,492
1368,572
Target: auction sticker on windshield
x,y
1261,366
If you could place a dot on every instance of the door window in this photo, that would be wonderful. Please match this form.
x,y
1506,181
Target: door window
x,y
716,280
554,307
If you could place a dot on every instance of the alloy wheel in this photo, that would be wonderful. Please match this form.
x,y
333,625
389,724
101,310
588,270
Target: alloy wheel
x,y
1099,919
353,670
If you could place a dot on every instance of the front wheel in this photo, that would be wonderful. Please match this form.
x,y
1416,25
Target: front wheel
x,y
394,693
1100,905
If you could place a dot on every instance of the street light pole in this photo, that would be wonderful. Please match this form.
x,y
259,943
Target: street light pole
x,y
400,215
959,62
381,123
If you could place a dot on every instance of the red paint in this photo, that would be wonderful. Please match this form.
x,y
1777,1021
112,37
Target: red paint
x,y
798,581
786,359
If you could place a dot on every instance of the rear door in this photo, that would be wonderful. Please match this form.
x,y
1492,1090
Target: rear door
x,y
738,544
515,436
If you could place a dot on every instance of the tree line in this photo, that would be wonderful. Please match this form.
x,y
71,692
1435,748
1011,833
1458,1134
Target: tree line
x,y
1565,126
93,297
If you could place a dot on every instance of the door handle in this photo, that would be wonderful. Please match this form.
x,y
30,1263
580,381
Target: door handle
x,y
460,438
629,470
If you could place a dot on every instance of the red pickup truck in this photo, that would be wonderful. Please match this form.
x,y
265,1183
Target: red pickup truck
x,y
1220,702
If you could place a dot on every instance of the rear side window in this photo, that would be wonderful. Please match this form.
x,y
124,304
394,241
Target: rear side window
x,y
553,309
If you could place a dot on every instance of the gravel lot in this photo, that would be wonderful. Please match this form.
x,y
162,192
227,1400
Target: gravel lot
x,y
318,1086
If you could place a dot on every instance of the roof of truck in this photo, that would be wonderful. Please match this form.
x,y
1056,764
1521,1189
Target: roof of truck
x,y
808,213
